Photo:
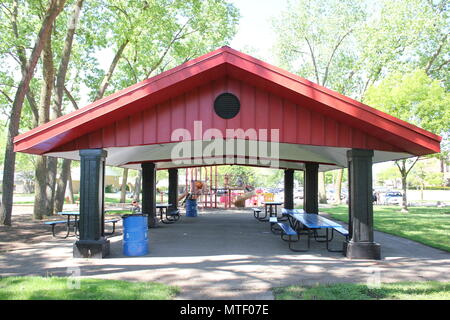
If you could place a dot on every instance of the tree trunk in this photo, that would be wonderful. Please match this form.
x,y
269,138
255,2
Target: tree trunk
x,y
112,67
404,171
44,202
338,186
40,196
137,187
443,168
13,129
62,185
52,167
123,187
322,188
64,63
404,198
60,89
421,191
60,192
70,185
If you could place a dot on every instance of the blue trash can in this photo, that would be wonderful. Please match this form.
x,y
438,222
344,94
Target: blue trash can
x,y
135,235
191,208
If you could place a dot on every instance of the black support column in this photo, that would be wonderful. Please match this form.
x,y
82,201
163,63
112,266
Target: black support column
x,y
92,243
350,222
289,189
173,188
311,188
149,192
361,244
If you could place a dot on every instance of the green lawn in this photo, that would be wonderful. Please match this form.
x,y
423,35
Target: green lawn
x,y
118,211
427,225
63,288
109,198
430,290
23,202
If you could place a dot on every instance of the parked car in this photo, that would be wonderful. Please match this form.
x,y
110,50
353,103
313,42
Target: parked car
x,y
393,197
298,194
221,191
279,197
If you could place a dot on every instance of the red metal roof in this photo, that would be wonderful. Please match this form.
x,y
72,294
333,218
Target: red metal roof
x,y
306,113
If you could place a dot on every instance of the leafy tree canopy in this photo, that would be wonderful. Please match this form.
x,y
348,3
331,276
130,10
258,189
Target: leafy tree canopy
x,y
415,98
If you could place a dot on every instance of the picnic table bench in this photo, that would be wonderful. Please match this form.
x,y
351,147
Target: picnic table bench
x,y
113,221
54,223
343,232
287,233
273,225
256,214
171,216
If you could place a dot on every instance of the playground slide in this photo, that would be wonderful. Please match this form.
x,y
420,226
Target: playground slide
x,y
240,201
181,196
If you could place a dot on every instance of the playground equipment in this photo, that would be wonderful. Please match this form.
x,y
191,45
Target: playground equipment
x,y
240,201
182,196
202,184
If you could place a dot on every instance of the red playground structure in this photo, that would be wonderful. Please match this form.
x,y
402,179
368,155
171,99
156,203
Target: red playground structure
x,y
217,191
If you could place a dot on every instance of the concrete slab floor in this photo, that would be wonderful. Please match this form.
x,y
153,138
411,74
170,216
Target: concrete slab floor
x,y
230,255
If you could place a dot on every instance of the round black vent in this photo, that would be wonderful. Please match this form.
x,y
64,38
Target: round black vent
x,y
227,105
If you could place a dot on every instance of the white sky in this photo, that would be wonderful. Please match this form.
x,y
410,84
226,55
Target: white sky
x,y
255,27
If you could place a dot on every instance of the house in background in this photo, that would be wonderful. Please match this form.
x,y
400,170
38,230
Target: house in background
x,y
23,182
113,179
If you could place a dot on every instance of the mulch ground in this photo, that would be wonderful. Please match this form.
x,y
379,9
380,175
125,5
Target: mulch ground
x,y
26,231
23,232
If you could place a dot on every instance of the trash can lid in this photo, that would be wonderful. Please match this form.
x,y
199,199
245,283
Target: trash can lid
x,y
134,215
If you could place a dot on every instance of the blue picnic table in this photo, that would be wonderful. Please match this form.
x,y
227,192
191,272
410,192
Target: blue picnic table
x,y
270,208
69,224
73,224
310,223
166,215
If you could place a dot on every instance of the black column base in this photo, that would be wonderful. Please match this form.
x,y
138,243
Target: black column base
x,y
363,250
94,249
344,248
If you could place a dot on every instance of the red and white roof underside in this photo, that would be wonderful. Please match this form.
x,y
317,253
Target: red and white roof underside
x,y
314,124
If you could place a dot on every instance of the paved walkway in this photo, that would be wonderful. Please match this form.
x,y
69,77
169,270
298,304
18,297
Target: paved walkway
x,y
229,255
